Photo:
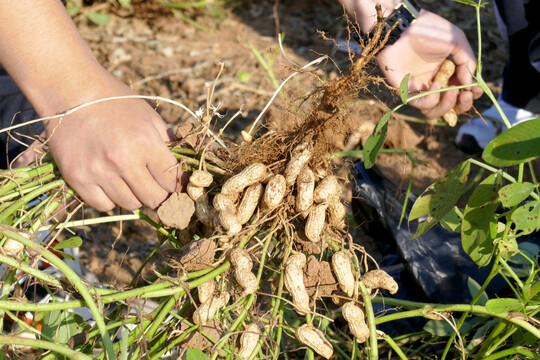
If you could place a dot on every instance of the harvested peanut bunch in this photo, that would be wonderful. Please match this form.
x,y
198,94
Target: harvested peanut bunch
x,y
379,279
248,341
242,270
341,264
314,338
294,282
355,318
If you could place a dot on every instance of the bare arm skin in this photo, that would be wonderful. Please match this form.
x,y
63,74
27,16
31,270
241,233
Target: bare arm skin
x,y
113,153
420,51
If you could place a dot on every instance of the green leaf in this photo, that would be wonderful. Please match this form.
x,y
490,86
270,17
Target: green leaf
x,y
513,194
516,145
59,326
98,18
404,89
479,226
196,354
73,242
474,288
502,305
467,2
452,221
72,9
442,328
527,218
376,140
440,198
124,3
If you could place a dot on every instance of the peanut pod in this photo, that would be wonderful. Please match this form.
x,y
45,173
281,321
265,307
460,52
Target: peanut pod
x,y
252,174
208,310
249,203
379,279
314,338
274,191
336,214
13,248
196,193
229,221
341,264
242,271
305,184
222,201
356,320
201,178
328,190
315,222
300,156
294,282
248,341
206,214
206,291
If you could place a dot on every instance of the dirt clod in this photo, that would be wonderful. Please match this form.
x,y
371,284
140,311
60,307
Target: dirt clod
x,y
198,255
176,211
318,277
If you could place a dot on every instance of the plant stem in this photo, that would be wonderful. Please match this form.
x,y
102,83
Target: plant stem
x,y
75,281
395,347
368,308
40,344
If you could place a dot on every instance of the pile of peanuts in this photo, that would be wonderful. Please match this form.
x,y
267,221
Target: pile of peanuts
x,y
255,187
351,310
318,201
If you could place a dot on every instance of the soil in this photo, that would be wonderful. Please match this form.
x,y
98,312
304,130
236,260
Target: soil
x,y
183,56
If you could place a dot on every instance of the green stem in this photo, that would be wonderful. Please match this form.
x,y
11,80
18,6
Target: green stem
x,y
370,315
395,347
20,203
23,266
75,281
40,344
506,354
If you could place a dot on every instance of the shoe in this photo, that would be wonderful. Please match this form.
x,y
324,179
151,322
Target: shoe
x,y
475,135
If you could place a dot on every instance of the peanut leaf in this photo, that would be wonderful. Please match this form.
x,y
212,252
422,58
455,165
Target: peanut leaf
x,y
527,217
404,89
376,140
440,198
513,194
519,144
479,226
501,305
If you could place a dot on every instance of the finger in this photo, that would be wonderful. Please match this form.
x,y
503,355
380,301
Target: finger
x,y
145,187
448,101
164,167
430,101
94,197
116,189
163,130
477,92
464,101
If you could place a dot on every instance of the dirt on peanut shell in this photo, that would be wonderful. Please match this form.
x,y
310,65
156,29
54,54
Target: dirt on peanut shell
x,y
157,53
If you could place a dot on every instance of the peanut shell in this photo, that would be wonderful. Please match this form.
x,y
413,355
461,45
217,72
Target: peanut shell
x,y
341,264
252,174
355,317
314,338
379,279
249,203
248,341
305,184
201,178
274,191
315,222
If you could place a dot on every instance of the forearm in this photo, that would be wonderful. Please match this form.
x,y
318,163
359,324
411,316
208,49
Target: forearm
x,y
365,12
44,53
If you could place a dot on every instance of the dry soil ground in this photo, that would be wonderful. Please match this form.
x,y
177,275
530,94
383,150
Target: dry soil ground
x,y
177,56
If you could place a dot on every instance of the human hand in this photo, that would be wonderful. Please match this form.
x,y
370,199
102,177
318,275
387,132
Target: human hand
x,y
420,51
114,153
